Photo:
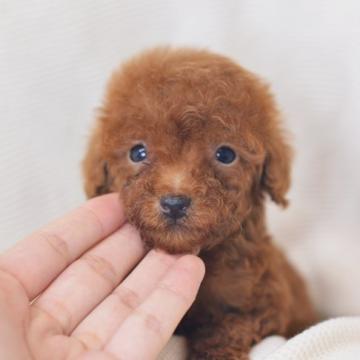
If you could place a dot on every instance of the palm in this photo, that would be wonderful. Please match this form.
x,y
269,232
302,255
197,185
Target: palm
x,y
55,304
27,332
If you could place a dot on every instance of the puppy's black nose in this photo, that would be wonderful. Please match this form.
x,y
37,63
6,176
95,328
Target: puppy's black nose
x,y
175,206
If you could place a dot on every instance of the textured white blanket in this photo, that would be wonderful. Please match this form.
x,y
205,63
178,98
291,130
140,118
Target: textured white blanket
x,y
336,339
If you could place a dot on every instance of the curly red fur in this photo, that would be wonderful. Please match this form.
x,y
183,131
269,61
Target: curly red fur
x,y
183,104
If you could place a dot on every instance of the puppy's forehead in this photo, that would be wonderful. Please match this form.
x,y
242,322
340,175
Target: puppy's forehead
x,y
182,128
185,92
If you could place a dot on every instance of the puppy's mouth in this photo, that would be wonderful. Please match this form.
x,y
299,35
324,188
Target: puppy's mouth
x,y
174,236
171,227
175,224
179,226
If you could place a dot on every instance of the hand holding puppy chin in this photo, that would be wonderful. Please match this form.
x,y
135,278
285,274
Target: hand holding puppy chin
x,y
83,288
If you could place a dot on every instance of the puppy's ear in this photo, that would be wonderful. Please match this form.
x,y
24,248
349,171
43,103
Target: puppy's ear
x,y
277,169
97,179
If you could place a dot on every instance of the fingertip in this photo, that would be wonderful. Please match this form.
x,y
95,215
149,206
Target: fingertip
x,y
107,200
193,264
108,209
163,256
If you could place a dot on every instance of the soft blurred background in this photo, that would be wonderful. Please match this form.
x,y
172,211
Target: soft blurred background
x,y
55,59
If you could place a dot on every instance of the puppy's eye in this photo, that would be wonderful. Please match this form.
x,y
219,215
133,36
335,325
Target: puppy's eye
x,y
225,155
138,153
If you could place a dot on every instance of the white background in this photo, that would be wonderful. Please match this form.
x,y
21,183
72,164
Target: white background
x,y
55,58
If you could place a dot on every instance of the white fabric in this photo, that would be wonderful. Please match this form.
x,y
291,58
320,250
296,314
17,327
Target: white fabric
x,y
266,347
55,57
336,339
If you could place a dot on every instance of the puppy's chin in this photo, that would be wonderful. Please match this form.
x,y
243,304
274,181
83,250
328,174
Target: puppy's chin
x,y
187,235
173,242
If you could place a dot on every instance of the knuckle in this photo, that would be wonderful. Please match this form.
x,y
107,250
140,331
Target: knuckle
x,y
54,312
101,266
89,212
90,341
152,323
127,297
10,286
56,243
174,292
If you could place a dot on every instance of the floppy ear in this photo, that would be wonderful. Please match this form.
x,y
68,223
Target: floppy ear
x,y
277,168
97,179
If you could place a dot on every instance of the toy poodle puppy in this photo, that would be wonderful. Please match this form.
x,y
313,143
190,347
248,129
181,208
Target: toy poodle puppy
x,y
193,143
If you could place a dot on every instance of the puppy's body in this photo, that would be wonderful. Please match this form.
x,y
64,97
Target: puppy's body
x,y
246,296
193,142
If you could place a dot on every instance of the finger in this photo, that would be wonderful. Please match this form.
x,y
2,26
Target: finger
x,y
97,355
98,327
87,281
153,322
39,258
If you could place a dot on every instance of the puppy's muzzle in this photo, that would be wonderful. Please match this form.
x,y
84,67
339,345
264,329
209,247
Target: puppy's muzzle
x,y
174,206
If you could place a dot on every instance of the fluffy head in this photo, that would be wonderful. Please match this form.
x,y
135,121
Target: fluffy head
x,y
182,106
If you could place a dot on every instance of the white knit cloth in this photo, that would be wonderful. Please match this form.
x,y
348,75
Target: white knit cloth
x,y
336,339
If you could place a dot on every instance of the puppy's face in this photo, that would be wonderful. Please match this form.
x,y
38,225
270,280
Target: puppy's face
x,y
187,139
186,184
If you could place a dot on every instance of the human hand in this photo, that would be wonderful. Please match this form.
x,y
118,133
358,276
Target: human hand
x,y
65,293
